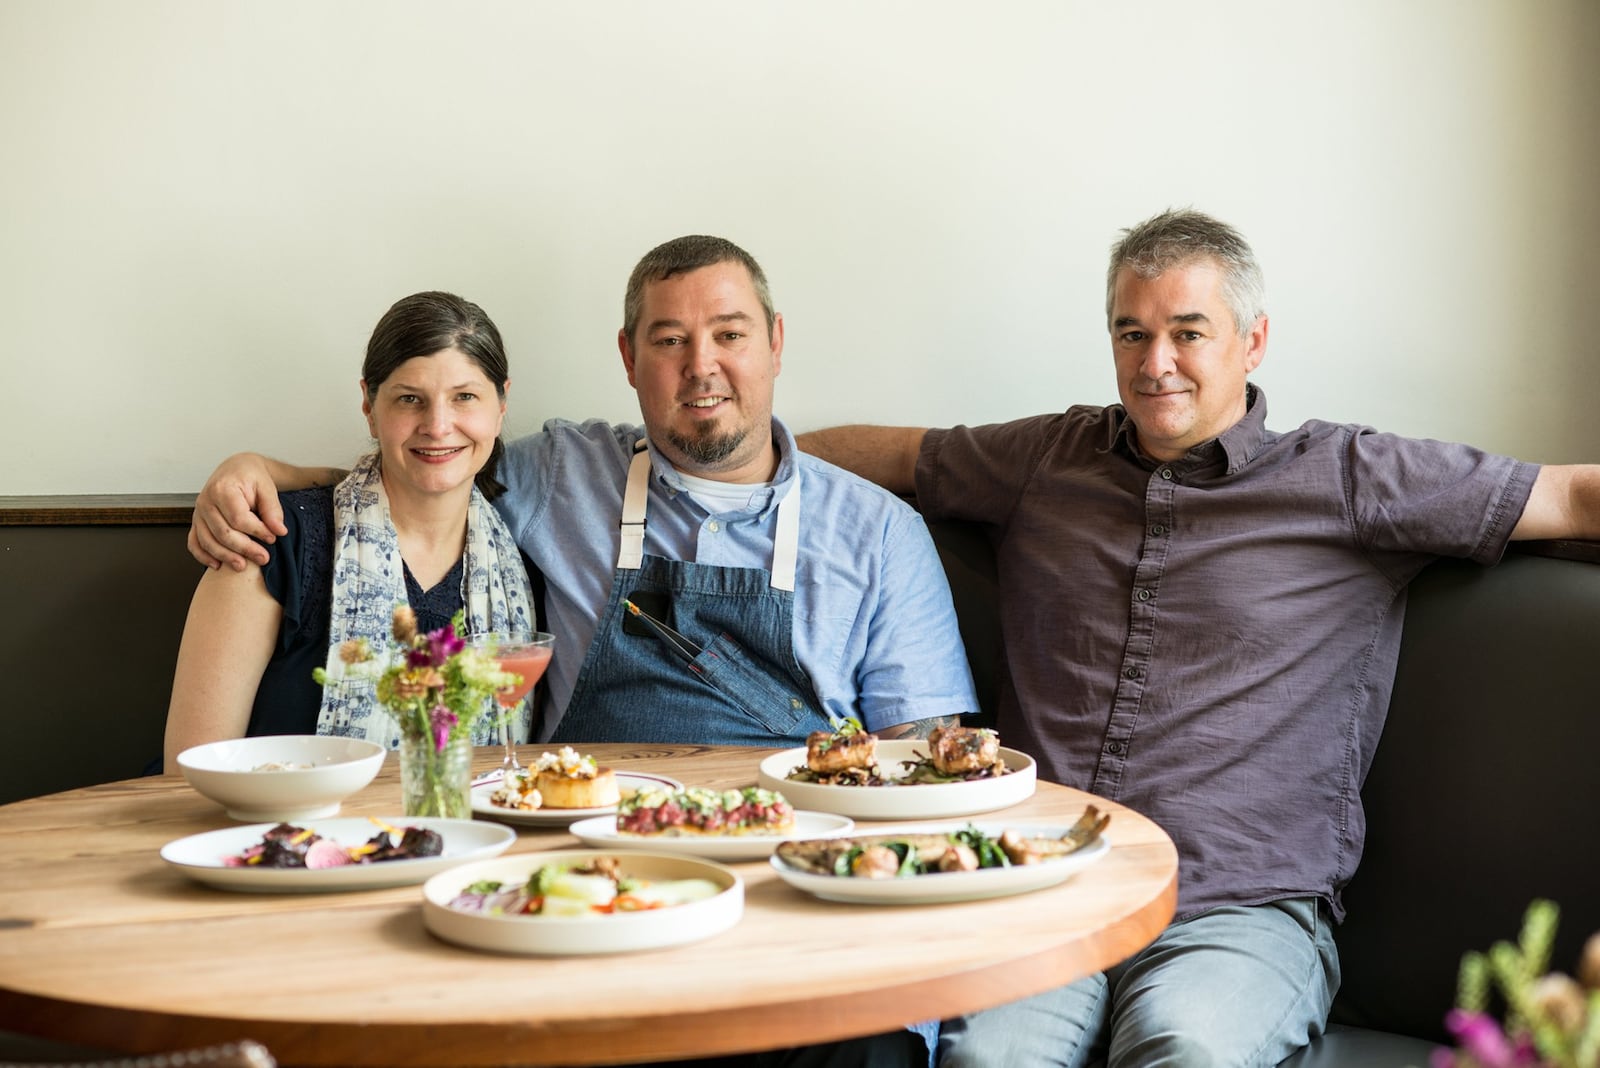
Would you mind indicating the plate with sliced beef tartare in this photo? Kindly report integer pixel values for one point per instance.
(601, 832)
(739, 824)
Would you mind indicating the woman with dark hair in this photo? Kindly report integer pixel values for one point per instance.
(411, 523)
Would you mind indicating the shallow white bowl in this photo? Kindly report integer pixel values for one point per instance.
(582, 935)
(316, 773)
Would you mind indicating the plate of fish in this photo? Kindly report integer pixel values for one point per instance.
(924, 864)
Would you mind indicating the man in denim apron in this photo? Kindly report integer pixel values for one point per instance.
(777, 593)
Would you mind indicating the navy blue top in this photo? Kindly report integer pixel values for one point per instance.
(300, 577)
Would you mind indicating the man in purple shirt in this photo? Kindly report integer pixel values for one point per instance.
(1201, 619)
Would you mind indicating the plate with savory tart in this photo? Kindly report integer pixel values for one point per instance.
(929, 865)
(728, 825)
(560, 788)
(582, 902)
(955, 771)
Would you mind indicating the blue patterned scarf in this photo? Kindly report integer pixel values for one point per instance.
(369, 581)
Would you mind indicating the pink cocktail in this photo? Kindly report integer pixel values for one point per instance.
(528, 659)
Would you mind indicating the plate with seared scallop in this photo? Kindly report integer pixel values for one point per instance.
(486, 805)
(954, 772)
(930, 865)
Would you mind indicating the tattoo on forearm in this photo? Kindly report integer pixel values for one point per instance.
(327, 476)
(919, 728)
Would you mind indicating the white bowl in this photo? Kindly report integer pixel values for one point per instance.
(281, 777)
(582, 935)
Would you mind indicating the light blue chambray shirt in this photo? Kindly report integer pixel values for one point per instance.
(874, 625)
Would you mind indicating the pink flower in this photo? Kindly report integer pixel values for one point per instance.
(1482, 1040)
(441, 720)
(445, 644)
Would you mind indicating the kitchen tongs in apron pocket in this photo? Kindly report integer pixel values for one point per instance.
(685, 648)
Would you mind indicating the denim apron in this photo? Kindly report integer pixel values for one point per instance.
(639, 684)
(721, 669)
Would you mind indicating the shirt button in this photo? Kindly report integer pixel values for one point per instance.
(1157, 530)
(713, 526)
(1143, 595)
(1131, 673)
(1114, 748)
(1166, 473)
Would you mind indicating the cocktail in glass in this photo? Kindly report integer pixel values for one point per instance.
(527, 657)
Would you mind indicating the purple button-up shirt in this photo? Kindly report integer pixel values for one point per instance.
(1212, 641)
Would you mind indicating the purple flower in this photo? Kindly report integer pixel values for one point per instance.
(441, 720)
(1482, 1040)
(444, 643)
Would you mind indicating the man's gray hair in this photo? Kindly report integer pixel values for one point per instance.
(680, 256)
(1179, 237)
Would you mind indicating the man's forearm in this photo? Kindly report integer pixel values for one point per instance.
(886, 455)
(1565, 503)
(919, 728)
(292, 477)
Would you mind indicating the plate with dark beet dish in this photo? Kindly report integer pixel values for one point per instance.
(334, 854)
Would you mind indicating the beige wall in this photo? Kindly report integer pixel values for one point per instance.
(207, 204)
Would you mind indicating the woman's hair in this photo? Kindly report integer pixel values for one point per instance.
(425, 323)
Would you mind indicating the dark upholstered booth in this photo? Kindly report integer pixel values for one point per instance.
(1482, 796)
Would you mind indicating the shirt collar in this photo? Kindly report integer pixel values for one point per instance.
(762, 498)
(1242, 442)
(1231, 450)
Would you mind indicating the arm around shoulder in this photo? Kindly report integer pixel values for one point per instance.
(238, 507)
(1564, 503)
(886, 455)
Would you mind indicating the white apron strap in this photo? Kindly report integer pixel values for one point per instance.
(785, 540)
(631, 553)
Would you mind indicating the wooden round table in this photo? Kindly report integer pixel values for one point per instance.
(102, 942)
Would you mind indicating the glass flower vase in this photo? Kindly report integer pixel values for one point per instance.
(436, 782)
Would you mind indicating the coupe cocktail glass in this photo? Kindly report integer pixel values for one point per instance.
(527, 657)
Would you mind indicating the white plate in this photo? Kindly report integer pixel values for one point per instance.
(601, 832)
(945, 887)
(920, 802)
(585, 935)
(199, 856)
(627, 782)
